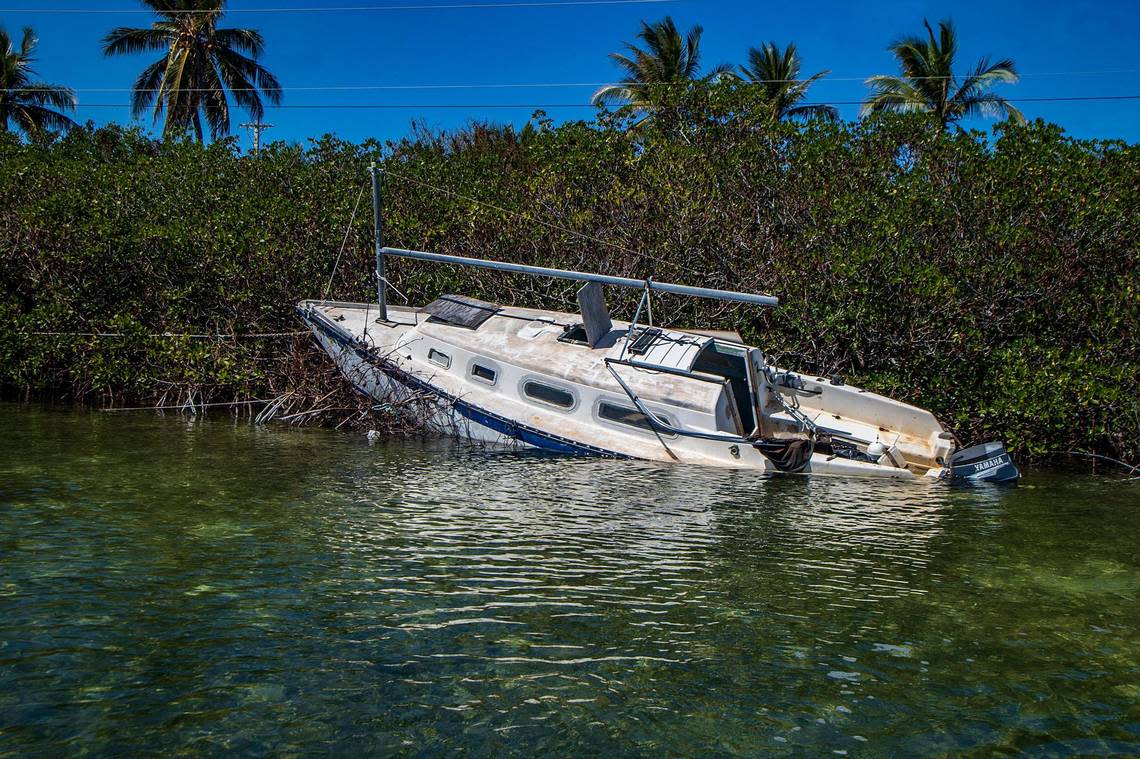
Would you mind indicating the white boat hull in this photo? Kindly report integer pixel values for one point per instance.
(384, 362)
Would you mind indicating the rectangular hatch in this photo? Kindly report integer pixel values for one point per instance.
(461, 310)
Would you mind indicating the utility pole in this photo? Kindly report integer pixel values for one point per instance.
(255, 129)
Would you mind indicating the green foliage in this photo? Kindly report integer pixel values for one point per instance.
(992, 280)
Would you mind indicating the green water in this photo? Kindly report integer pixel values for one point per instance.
(171, 586)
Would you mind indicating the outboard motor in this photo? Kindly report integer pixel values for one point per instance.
(987, 462)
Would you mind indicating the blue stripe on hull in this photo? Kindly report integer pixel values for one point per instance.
(507, 427)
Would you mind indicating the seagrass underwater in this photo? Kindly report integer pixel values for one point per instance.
(420, 596)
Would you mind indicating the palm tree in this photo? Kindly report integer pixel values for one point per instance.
(777, 74)
(201, 65)
(32, 106)
(928, 83)
(668, 59)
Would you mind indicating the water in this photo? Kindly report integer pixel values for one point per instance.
(207, 587)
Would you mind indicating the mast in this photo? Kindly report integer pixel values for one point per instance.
(604, 279)
(377, 223)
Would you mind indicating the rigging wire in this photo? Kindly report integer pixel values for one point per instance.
(347, 232)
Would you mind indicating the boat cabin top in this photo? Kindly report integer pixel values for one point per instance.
(690, 370)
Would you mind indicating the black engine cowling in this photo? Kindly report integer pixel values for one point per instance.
(987, 462)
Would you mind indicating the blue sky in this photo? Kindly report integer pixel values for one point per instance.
(1055, 44)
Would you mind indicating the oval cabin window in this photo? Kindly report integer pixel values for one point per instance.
(440, 358)
(552, 396)
(631, 417)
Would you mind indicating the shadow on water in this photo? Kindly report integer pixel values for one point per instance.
(209, 586)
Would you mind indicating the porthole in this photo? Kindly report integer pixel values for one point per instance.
(629, 416)
(484, 373)
(439, 358)
(548, 394)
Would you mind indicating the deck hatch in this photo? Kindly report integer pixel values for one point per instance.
(575, 334)
(461, 311)
(644, 340)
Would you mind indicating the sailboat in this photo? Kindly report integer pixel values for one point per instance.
(586, 384)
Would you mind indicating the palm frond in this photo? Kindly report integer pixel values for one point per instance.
(33, 106)
(985, 76)
(125, 40)
(28, 44)
(179, 93)
(692, 60)
(255, 76)
(612, 93)
(35, 119)
(243, 90)
(145, 92)
(47, 95)
(947, 40)
(632, 72)
(214, 105)
(892, 93)
(776, 73)
(243, 40)
(989, 104)
(717, 72)
(817, 111)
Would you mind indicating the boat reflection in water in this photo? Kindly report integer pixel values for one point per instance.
(519, 528)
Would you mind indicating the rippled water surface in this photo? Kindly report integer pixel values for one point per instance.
(206, 587)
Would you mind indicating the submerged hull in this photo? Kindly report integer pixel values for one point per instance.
(517, 382)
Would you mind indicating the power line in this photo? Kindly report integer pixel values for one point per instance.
(374, 106)
(541, 85)
(343, 88)
(349, 8)
(407, 106)
(178, 335)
